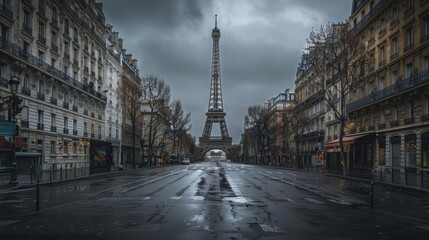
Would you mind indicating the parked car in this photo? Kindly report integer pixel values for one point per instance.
(186, 161)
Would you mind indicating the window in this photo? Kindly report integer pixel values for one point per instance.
(110, 132)
(54, 92)
(66, 97)
(382, 116)
(395, 14)
(395, 113)
(92, 129)
(27, 23)
(85, 127)
(66, 123)
(425, 63)
(41, 86)
(411, 109)
(394, 46)
(371, 119)
(409, 4)
(41, 31)
(54, 15)
(409, 37)
(408, 70)
(382, 25)
(66, 26)
(53, 120)
(53, 147)
(382, 59)
(41, 56)
(381, 83)
(74, 125)
(394, 77)
(75, 34)
(26, 81)
(54, 39)
(382, 151)
(427, 104)
(40, 117)
(75, 146)
(371, 34)
(54, 63)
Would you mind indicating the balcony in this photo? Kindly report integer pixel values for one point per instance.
(394, 123)
(27, 29)
(41, 96)
(54, 100)
(85, 112)
(75, 108)
(394, 56)
(42, 11)
(100, 117)
(66, 105)
(66, 130)
(67, 56)
(409, 10)
(35, 62)
(408, 48)
(92, 115)
(42, 39)
(382, 126)
(40, 126)
(85, 134)
(6, 11)
(99, 136)
(26, 91)
(75, 40)
(368, 17)
(24, 124)
(92, 135)
(86, 69)
(382, 63)
(362, 129)
(311, 99)
(312, 136)
(409, 120)
(53, 129)
(75, 62)
(413, 81)
(424, 117)
(371, 128)
(75, 132)
(353, 131)
(54, 48)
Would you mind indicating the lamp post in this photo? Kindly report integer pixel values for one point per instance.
(14, 83)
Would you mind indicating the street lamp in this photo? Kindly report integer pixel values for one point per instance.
(14, 83)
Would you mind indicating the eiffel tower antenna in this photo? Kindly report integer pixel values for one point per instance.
(215, 113)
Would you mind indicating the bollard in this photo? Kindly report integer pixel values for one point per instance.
(61, 173)
(406, 177)
(75, 171)
(392, 174)
(372, 195)
(381, 174)
(421, 178)
(37, 196)
(31, 175)
(50, 175)
(66, 171)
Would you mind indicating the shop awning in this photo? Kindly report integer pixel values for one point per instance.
(347, 140)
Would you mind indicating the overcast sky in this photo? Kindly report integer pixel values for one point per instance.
(261, 43)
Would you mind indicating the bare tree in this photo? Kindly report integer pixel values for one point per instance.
(179, 124)
(155, 99)
(129, 95)
(338, 59)
(296, 124)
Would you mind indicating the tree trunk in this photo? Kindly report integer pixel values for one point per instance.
(344, 160)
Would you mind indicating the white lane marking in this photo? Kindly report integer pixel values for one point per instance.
(290, 200)
(313, 201)
(279, 172)
(339, 202)
(267, 228)
(424, 227)
(176, 197)
(198, 198)
(147, 198)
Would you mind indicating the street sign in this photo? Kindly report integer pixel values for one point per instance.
(7, 128)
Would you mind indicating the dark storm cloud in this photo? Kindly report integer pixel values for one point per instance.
(260, 47)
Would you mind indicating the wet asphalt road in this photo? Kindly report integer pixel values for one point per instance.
(213, 201)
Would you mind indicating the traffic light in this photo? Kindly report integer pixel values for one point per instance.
(17, 107)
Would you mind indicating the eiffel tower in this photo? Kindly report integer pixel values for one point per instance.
(215, 113)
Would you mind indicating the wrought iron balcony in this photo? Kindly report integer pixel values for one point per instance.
(409, 47)
(66, 105)
(41, 96)
(40, 126)
(424, 117)
(54, 100)
(75, 108)
(75, 132)
(368, 17)
(382, 126)
(309, 100)
(394, 123)
(24, 123)
(371, 128)
(54, 47)
(26, 91)
(53, 129)
(415, 80)
(42, 39)
(382, 63)
(394, 56)
(18, 52)
(6, 11)
(66, 130)
(409, 120)
(85, 112)
(27, 29)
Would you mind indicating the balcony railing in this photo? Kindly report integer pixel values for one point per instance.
(371, 128)
(66, 130)
(38, 63)
(53, 129)
(85, 112)
(66, 105)
(415, 80)
(75, 108)
(92, 135)
(309, 100)
(315, 135)
(393, 56)
(394, 123)
(424, 117)
(382, 126)
(41, 96)
(27, 29)
(24, 123)
(85, 134)
(74, 132)
(75, 62)
(54, 100)
(409, 120)
(367, 18)
(382, 63)
(54, 47)
(42, 39)
(362, 129)
(40, 126)
(26, 91)
(6, 11)
(409, 47)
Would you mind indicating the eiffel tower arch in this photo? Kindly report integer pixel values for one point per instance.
(215, 113)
